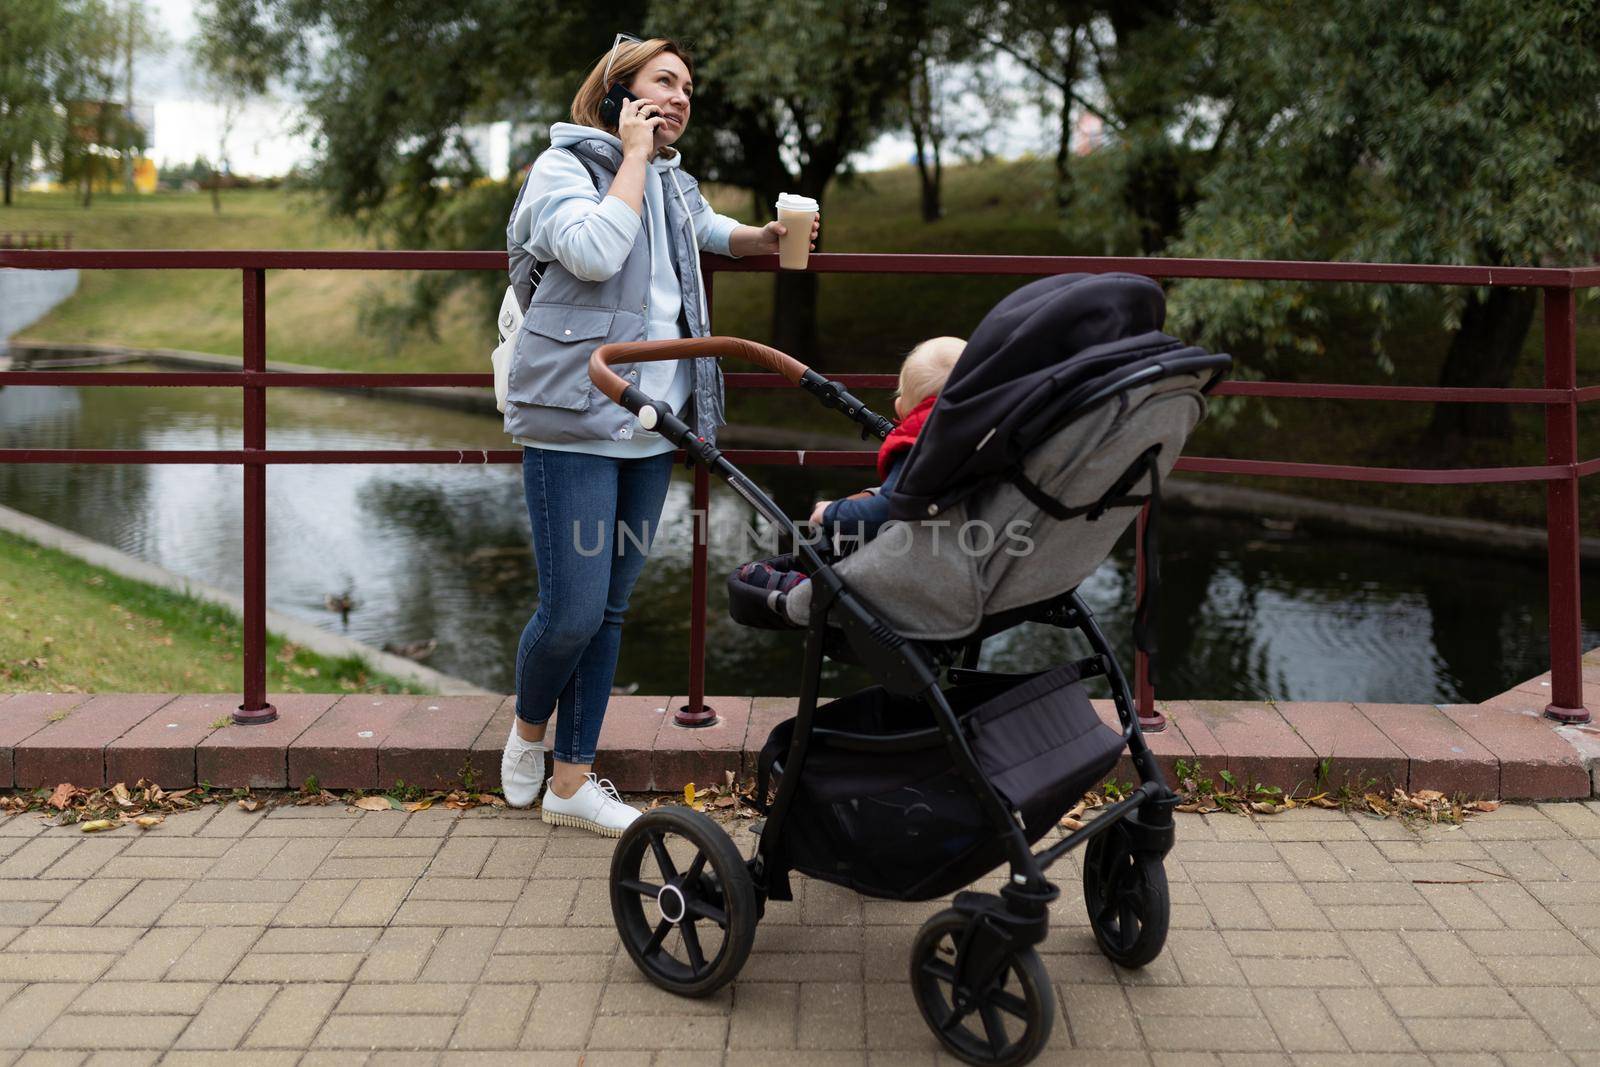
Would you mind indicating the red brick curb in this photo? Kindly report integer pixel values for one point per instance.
(1501, 748)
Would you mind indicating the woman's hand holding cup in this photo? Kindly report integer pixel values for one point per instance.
(636, 127)
(773, 233)
(795, 215)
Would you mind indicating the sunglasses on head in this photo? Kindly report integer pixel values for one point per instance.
(612, 57)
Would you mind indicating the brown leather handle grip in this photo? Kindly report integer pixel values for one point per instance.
(611, 384)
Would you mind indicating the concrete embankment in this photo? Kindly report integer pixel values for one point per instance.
(25, 297)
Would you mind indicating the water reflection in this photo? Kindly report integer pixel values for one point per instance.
(441, 551)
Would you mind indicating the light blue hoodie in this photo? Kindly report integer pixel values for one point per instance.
(563, 219)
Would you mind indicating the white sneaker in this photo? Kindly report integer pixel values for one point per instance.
(521, 770)
(595, 806)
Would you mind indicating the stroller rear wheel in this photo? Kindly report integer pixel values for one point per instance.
(1005, 1023)
(1127, 897)
(683, 901)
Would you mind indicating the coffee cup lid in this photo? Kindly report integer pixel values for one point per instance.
(795, 202)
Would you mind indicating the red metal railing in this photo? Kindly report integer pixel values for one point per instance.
(1560, 398)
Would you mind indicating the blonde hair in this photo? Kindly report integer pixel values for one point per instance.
(631, 56)
(927, 367)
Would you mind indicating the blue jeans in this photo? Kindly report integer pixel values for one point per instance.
(593, 519)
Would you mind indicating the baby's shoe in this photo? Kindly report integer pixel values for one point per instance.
(521, 770)
(595, 806)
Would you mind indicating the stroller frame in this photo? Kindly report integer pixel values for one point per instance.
(993, 935)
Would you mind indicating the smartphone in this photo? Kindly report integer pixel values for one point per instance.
(611, 106)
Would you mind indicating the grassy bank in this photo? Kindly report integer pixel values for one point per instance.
(66, 626)
(315, 317)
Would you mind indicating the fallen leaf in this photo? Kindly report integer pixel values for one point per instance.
(63, 795)
(97, 825)
(688, 794)
(1484, 805)
(373, 804)
(147, 821)
(120, 792)
(1428, 796)
(1069, 823)
(725, 802)
(419, 805)
(249, 804)
(1263, 808)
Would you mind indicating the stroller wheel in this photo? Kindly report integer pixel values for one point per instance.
(1126, 894)
(683, 902)
(1003, 1024)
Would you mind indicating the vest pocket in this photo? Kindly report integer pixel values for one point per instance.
(569, 323)
(551, 368)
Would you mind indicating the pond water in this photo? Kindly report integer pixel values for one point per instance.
(442, 552)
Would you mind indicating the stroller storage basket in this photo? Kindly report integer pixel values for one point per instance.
(880, 807)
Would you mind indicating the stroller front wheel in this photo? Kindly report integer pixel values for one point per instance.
(1127, 897)
(701, 918)
(1005, 1023)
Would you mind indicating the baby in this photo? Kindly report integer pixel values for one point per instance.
(858, 517)
(922, 376)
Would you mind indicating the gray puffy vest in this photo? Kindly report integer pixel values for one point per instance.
(549, 396)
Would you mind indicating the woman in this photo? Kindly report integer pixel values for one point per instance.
(608, 228)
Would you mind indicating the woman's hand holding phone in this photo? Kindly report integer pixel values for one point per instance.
(636, 127)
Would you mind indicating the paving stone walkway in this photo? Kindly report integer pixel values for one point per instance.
(325, 935)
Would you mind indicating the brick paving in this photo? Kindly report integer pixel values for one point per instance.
(329, 935)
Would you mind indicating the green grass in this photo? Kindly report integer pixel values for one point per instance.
(313, 317)
(865, 322)
(66, 626)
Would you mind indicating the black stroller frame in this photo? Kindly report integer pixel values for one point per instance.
(990, 937)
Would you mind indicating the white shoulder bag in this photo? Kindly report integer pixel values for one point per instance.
(509, 321)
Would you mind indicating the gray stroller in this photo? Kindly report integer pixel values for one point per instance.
(1056, 426)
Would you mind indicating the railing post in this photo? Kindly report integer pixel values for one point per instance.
(695, 713)
(1144, 693)
(1561, 511)
(255, 708)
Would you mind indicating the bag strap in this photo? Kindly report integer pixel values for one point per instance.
(536, 268)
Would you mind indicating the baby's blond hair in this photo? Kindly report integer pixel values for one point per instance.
(927, 367)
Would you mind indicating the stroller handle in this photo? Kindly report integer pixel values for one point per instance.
(612, 384)
(829, 393)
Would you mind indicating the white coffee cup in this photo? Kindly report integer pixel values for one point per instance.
(796, 213)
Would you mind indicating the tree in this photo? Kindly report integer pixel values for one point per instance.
(794, 88)
(139, 35)
(1140, 68)
(99, 132)
(58, 73)
(230, 78)
(1465, 132)
(1050, 40)
(32, 51)
(949, 98)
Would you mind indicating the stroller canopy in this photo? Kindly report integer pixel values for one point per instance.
(1067, 400)
(1032, 360)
